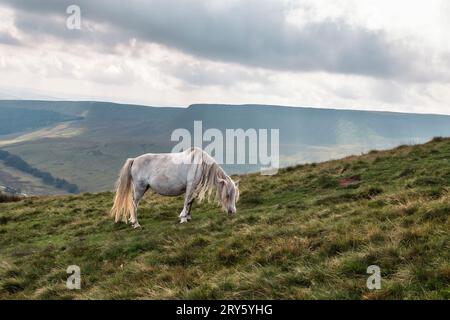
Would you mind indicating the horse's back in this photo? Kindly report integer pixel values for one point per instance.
(165, 173)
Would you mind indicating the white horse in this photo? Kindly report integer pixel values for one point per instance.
(193, 172)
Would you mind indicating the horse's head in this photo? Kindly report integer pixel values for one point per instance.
(229, 194)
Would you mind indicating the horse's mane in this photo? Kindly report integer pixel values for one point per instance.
(211, 173)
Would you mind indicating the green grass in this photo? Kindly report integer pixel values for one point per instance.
(297, 235)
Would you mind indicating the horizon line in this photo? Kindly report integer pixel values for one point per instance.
(231, 105)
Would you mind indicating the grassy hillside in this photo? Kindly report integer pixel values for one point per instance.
(23, 181)
(308, 233)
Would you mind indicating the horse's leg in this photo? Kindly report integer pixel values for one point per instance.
(193, 179)
(189, 216)
(139, 190)
(185, 214)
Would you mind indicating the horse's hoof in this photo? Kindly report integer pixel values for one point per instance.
(183, 220)
(189, 218)
(136, 226)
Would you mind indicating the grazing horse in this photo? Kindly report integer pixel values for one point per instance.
(193, 172)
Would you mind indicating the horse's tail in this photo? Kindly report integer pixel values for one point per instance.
(123, 201)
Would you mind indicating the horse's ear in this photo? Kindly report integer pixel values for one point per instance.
(237, 184)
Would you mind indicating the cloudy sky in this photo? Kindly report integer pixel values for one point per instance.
(355, 54)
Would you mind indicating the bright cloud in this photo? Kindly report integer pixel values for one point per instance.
(357, 54)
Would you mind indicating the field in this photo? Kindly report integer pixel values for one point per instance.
(22, 180)
(309, 232)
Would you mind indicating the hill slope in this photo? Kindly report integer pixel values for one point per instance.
(90, 150)
(309, 232)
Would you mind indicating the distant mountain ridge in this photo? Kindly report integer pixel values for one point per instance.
(89, 149)
(13, 119)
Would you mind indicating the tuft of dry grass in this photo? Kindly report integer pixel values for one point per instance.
(9, 197)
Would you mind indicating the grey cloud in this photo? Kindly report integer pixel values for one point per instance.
(38, 27)
(252, 33)
(6, 38)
